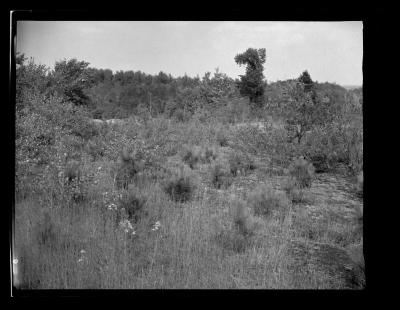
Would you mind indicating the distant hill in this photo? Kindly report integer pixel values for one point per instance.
(351, 87)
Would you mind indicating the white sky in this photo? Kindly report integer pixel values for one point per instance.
(330, 51)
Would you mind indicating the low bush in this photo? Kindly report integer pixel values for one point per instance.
(180, 187)
(127, 168)
(209, 154)
(181, 116)
(237, 110)
(232, 241)
(95, 148)
(133, 203)
(77, 181)
(222, 137)
(294, 193)
(220, 175)
(192, 155)
(246, 224)
(302, 171)
(335, 143)
(240, 162)
(72, 171)
(264, 200)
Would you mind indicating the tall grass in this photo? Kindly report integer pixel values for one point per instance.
(176, 231)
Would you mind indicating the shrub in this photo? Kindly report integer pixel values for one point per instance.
(85, 129)
(210, 153)
(338, 142)
(246, 224)
(232, 241)
(295, 194)
(181, 115)
(222, 138)
(264, 200)
(180, 187)
(46, 232)
(95, 148)
(77, 181)
(192, 155)
(240, 162)
(72, 171)
(127, 168)
(133, 202)
(73, 143)
(237, 110)
(220, 174)
(302, 171)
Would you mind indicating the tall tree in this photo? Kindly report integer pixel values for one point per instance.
(251, 84)
(69, 79)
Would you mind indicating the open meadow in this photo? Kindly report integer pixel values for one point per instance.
(132, 181)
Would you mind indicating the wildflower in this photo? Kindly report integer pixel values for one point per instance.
(126, 225)
(15, 261)
(83, 252)
(112, 206)
(99, 168)
(156, 226)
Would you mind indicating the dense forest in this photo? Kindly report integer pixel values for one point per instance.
(205, 180)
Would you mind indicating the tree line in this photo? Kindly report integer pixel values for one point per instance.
(107, 94)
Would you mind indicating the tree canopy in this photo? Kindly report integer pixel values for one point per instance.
(251, 84)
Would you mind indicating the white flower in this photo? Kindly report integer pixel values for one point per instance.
(112, 206)
(15, 261)
(99, 168)
(156, 226)
(126, 225)
(83, 252)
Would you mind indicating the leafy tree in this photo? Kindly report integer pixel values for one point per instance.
(305, 78)
(31, 79)
(251, 84)
(69, 79)
(212, 90)
(304, 110)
